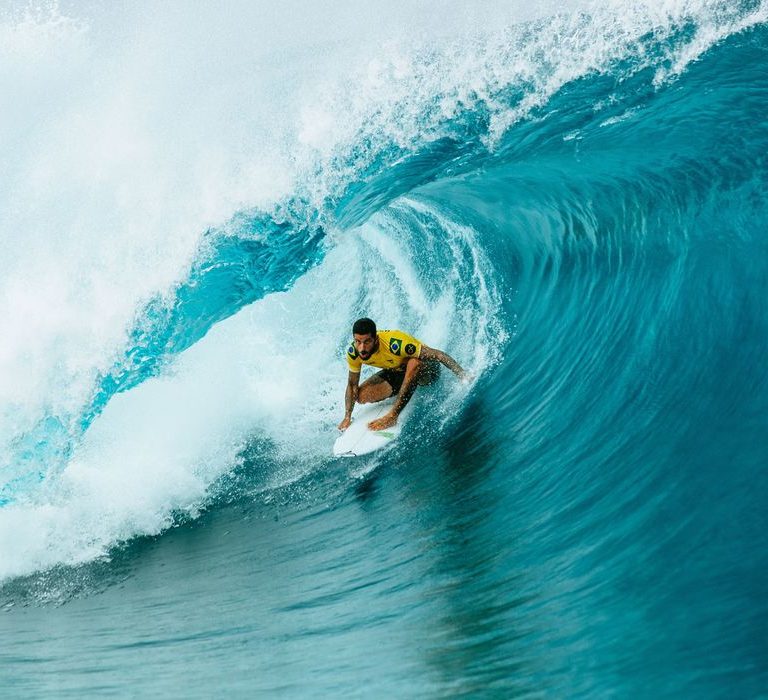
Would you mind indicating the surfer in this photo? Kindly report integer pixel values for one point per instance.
(405, 363)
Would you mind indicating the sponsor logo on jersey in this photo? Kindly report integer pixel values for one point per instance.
(410, 349)
(394, 345)
(352, 352)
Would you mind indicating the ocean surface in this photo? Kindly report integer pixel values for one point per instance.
(198, 200)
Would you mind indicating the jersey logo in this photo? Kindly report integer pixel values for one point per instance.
(410, 349)
(394, 345)
(352, 352)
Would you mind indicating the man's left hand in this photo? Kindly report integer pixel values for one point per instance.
(383, 423)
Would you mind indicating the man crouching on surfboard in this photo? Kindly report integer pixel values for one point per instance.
(405, 364)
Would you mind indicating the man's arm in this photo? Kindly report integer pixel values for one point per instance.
(410, 382)
(350, 397)
(428, 353)
(412, 368)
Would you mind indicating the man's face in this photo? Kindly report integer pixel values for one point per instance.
(364, 344)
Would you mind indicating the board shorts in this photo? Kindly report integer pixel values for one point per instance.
(395, 377)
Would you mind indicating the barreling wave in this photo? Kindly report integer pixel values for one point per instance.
(572, 206)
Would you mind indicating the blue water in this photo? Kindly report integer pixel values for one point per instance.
(574, 207)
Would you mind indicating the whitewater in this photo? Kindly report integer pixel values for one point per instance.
(198, 200)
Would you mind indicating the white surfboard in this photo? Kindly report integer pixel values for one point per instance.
(358, 439)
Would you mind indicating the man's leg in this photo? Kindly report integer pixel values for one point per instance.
(430, 372)
(373, 389)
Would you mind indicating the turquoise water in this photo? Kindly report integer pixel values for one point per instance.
(572, 205)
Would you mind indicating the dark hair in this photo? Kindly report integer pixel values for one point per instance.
(364, 326)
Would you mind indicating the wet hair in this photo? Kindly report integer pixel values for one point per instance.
(364, 326)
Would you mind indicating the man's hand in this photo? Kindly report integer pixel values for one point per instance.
(383, 423)
(345, 423)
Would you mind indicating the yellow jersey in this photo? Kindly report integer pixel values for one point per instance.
(395, 349)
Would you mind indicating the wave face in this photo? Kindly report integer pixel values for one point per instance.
(572, 205)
